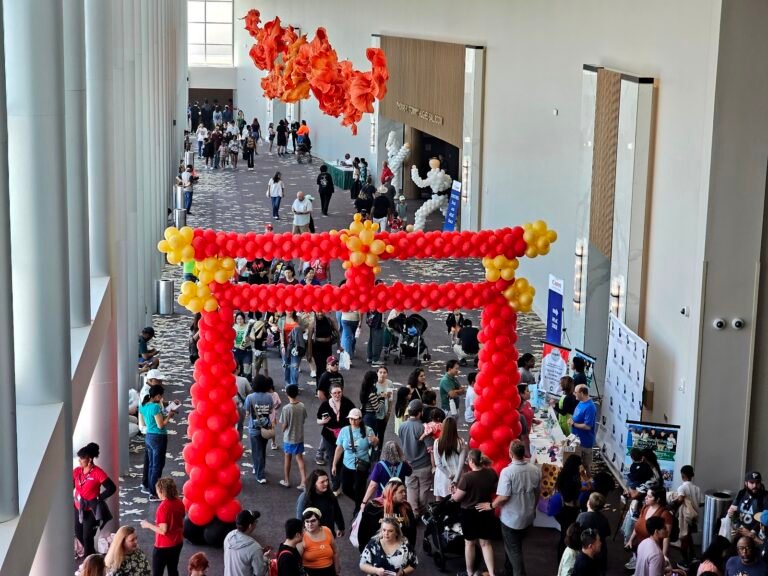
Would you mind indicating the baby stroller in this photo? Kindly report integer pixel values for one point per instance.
(408, 338)
(443, 538)
(303, 148)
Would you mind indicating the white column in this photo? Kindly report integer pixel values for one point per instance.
(9, 479)
(77, 168)
(34, 77)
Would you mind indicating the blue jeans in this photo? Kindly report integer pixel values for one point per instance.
(275, 206)
(216, 160)
(199, 148)
(348, 339)
(291, 368)
(259, 453)
(375, 342)
(341, 327)
(188, 200)
(155, 445)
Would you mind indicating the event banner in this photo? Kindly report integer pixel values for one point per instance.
(452, 212)
(555, 310)
(589, 369)
(623, 394)
(661, 438)
(554, 365)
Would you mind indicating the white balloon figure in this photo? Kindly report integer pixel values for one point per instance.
(396, 156)
(439, 181)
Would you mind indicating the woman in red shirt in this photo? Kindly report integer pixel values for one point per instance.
(91, 513)
(168, 529)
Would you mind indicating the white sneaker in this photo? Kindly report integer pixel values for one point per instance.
(632, 564)
(313, 374)
(284, 484)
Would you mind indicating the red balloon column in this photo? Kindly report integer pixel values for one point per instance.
(212, 456)
(213, 453)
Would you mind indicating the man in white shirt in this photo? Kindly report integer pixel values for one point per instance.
(516, 495)
(185, 181)
(302, 212)
(650, 558)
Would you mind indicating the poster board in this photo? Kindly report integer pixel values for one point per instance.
(555, 310)
(661, 438)
(623, 391)
(554, 365)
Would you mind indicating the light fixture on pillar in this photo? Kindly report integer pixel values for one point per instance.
(289, 113)
(373, 133)
(465, 175)
(578, 273)
(269, 108)
(615, 296)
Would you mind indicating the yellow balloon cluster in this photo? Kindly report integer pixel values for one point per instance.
(538, 238)
(218, 270)
(364, 248)
(520, 295)
(177, 245)
(500, 267)
(197, 297)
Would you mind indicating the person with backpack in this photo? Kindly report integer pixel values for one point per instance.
(288, 559)
(325, 189)
(391, 464)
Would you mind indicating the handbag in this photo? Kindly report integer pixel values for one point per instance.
(353, 533)
(360, 464)
(345, 362)
(266, 430)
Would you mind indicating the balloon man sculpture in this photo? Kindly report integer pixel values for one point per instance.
(211, 457)
(396, 156)
(440, 183)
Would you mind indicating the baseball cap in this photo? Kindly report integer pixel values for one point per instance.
(762, 517)
(355, 413)
(155, 374)
(753, 476)
(415, 406)
(247, 517)
(332, 360)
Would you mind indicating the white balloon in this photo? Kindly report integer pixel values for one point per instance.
(438, 181)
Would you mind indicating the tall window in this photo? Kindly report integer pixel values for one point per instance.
(210, 32)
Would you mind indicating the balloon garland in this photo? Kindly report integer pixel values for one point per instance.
(211, 457)
(295, 67)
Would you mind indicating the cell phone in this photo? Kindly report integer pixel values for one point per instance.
(326, 415)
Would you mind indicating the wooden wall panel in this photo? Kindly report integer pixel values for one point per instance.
(604, 160)
(426, 86)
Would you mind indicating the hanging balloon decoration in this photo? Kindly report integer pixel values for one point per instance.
(211, 457)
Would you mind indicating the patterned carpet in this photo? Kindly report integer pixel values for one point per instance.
(235, 200)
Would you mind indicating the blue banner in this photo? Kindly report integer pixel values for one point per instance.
(555, 310)
(453, 207)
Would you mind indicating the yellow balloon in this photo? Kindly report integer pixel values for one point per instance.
(527, 226)
(366, 236)
(542, 244)
(531, 252)
(211, 305)
(551, 235)
(228, 264)
(378, 247)
(210, 264)
(540, 227)
(532, 291)
(492, 274)
(184, 299)
(377, 269)
(195, 305)
(333, 232)
(510, 293)
(354, 244)
(357, 258)
(174, 258)
(188, 288)
(187, 233)
(507, 273)
(205, 277)
(529, 236)
(526, 299)
(357, 217)
(371, 260)
(544, 251)
(390, 249)
(163, 246)
(521, 284)
(375, 227)
(202, 291)
(344, 238)
(346, 264)
(367, 224)
(170, 231)
(176, 241)
(514, 263)
(187, 253)
(487, 261)
(356, 227)
(500, 261)
(221, 276)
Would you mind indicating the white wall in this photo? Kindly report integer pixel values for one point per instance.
(535, 53)
(212, 77)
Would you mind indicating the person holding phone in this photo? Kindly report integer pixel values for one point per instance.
(388, 553)
(156, 439)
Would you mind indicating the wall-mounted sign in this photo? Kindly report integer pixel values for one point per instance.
(423, 114)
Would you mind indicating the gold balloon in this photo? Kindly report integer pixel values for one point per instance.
(366, 236)
(221, 276)
(525, 300)
(163, 246)
(210, 264)
(528, 236)
(170, 231)
(176, 241)
(357, 258)
(202, 291)
(492, 274)
(195, 305)
(187, 233)
(521, 284)
(544, 251)
(378, 247)
(510, 293)
(188, 288)
(531, 252)
(499, 261)
(356, 227)
(187, 253)
(390, 249)
(507, 273)
(540, 227)
(210, 305)
(354, 244)
(542, 244)
(357, 217)
(184, 299)
(514, 263)
(371, 260)
(375, 227)
(487, 261)
(346, 264)
(205, 277)
(174, 258)
(551, 236)
(228, 263)
(377, 269)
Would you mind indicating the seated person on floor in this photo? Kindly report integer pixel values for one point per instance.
(467, 345)
(147, 356)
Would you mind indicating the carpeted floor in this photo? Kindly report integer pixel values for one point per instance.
(235, 200)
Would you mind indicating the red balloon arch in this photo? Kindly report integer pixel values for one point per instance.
(211, 457)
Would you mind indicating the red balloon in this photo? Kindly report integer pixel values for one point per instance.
(488, 419)
(216, 458)
(201, 476)
(191, 454)
(228, 475)
(193, 490)
(486, 448)
(228, 512)
(203, 439)
(228, 438)
(215, 495)
(217, 422)
(236, 451)
(200, 513)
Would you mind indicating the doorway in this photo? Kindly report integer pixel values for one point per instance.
(424, 146)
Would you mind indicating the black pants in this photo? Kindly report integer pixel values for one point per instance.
(249, 158)
(353, 484)
(85, 532)
(166, 558)
(565, 518)
(325, 200)
(320, 353)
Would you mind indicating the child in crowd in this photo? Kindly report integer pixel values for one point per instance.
(276, 403)
(469, 399)
(292, 419)
(429, 401)
(223, 154)
(433, 428)
(687, 502)
(639, 473)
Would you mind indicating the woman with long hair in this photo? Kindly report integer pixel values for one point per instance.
(93, 566)
(655, 505)
(391, 464)
(318, 494)
(391, 504)
(124, 557)
(370, 399)
(389, 552)
(168, 528)
(569, 484)
(90, 509)
(567, 403)
(275, 191)
(448, 456)
(417, 382)
(402, 398)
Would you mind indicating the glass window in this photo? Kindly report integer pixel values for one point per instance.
(210, 32)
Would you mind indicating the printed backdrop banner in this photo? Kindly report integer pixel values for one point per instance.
(589, 369)
(554, 365)
(661, 438)
(623, 394)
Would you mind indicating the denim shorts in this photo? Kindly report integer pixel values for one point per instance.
(297, 448)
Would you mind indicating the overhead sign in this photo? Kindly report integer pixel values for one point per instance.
(555, 310)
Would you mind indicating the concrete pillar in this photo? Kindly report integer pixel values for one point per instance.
(77, 168)
(34, 47)
(9, 479)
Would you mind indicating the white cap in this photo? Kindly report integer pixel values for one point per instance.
(155, 374)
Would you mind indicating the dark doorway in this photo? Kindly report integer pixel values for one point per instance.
(423, 147)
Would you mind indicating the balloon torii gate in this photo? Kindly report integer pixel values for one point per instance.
(211, 458)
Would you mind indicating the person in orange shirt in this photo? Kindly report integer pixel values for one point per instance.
(303, 129)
